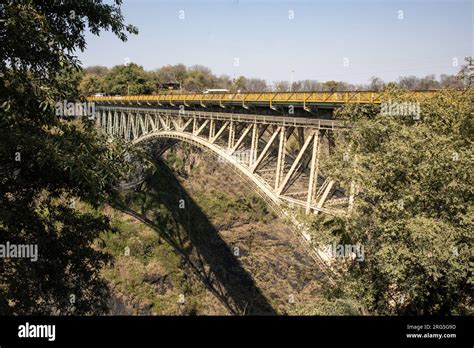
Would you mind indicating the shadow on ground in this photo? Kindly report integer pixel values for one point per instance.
(165, 206)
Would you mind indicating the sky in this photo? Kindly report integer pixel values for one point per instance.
(344, 40)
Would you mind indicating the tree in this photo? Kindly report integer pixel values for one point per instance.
(96, 71)
(91, 84)
(238, 84)
(281, 86)
(408, 82)
(466, 73)
(224, 81)
(92, 80)
(199, 78)
(413, 209)
(344, 86)
(428, 82)
(170, 74)
(330, 86)
(255, 85)
(307, 86)
(47, 163)
(129, 79)
(452, 81)
(375, 83)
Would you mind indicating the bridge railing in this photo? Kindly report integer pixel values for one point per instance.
(255, 98)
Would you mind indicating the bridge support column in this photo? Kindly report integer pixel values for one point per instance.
(109, 122)
(313, 174)
(281, 157)
(122, 124)
(116, 123)
(212, 129)
(231, 135)
(128, 128)
(112, 123)
(146, 122)
(134, 127)
(254, 145)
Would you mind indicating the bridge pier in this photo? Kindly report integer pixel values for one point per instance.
(313, 172)
(281, 157)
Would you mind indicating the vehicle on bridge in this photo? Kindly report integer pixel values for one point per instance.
(215, 90)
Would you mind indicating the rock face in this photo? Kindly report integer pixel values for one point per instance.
(236, 256)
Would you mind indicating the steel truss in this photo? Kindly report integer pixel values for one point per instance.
(280, 155)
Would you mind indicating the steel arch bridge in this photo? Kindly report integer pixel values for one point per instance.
(252, 132)
(280, 155)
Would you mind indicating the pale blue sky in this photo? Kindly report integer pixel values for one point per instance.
(314, 44)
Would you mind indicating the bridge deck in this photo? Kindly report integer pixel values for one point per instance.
(304, 99)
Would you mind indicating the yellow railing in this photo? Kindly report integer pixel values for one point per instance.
(256, 98)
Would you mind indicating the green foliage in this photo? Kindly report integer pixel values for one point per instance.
(199, 78)
(331, 306)
(170, 74)
(151, 273)
(96, 71)
(46, 162)
(226, 207)
(330, 86)
(413, 209)
(93, 80)
(129, 79)
(91, 84)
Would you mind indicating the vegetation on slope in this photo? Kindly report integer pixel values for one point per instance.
(47, 163)
(413, 210)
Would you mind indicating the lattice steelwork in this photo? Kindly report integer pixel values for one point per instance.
(279, 154)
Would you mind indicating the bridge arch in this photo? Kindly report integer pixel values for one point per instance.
(202, 143)
(299, 229)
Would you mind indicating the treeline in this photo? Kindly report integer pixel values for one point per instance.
(132, 79)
